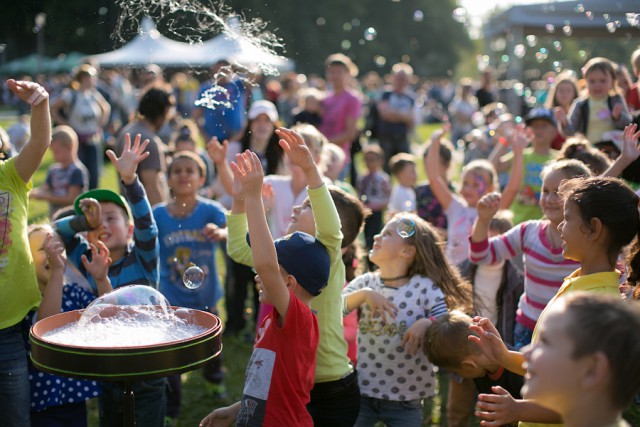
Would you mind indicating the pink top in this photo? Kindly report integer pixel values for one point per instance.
(336, 108)
(545, 268)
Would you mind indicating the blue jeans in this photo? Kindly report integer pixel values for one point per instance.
(391, 412)
(14, 377)
(91, 157)
(521, 336)
(150, 403)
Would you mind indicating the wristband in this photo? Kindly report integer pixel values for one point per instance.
(503, 141)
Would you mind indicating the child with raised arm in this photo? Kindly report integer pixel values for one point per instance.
(290, 272)
(580, 368)
(536, 242)
(600, 219)
(18, 284)
(129, 231)
(335, 397)
(55, 399)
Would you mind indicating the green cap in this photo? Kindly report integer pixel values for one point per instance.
(102, 195)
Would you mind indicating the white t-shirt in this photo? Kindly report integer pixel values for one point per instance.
(460, 218)
(485, 290)
(403, 199)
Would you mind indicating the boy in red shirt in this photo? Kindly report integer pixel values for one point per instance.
(290, 272)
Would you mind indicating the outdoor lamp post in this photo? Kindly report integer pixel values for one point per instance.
(41, 21)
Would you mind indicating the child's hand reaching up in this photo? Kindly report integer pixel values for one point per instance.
(630, 148)
(99, 265)
(248, 175)
(300, 155)
(128, 162)
(30, 92)
(487, 206)
(56, 255)
(217, 151)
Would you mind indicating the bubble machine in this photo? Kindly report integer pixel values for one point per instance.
(126, 364)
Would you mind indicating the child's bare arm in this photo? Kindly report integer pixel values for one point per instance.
(502, 409)
(248, 173)
(28, 160)
(520, 140)
(222, 417)
(630, 151)
(438, 186)
(52, 296)
(218, 153)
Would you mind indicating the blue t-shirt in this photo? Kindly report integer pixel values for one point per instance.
(183, 243)
(51, 390)
(224, 122)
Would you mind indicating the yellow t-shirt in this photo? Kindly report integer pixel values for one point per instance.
(600, 120)
(602, 283)
(19, 291)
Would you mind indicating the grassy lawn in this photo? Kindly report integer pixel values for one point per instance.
(197, 399)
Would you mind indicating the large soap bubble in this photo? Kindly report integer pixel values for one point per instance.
(140, 301)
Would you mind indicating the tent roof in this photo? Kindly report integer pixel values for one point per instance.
(150, 47)
(533, 18)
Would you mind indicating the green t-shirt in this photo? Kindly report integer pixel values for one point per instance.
(526, 205)
(19, 291)
(332, 362)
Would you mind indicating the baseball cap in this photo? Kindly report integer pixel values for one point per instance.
(263, 107)
(305, 258)
(102, 195)
(541, 114)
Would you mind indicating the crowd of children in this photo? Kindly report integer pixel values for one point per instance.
(521, 291)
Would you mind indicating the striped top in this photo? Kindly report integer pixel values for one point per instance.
(140, 263)
(544, 267)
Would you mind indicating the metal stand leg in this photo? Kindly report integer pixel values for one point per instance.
(129, 412)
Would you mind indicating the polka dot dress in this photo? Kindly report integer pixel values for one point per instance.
(51, 390)
(385, 369)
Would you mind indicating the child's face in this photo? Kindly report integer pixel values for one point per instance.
(550, 203)
(373, 162)
(337, 75)
(302, 219)
(387, 245)
(599, 84)
(565, 94)
(574, 233)
(475, 184)
(36, 244)
(184, 177)
(263, 292)
(61, 152)
(408, 176)
(115, 231)
(544, 132)
(262, 127)
(553, 375)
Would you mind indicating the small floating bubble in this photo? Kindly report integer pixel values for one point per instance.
(418, 16)
(193, 277)
(611, 27)
(589, 15)
(606, 17)
(579, 8)
(532, 40)
(370, 34)
(567, 30)
(550, 28)
(519, 50)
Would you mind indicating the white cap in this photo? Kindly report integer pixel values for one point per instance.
(263, 107)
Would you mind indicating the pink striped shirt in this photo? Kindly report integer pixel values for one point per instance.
(544, 267)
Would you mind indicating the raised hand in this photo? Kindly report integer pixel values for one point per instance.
(30, 92)
(56, 255)
(92, 212)
(100, 262)
(630, 149)
(521, 138)
(560, 114)
(248, 174)
(437, 135)
(295, 148)
(127, 163)
(488, 205)
(489, 340)
(217, 151)
(213, 233)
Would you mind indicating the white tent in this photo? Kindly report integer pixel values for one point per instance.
(150, 47)
(238, 49)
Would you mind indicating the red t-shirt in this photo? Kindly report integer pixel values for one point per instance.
(633, 98)
(280, 374)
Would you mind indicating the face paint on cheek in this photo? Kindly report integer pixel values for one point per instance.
(480, 182)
